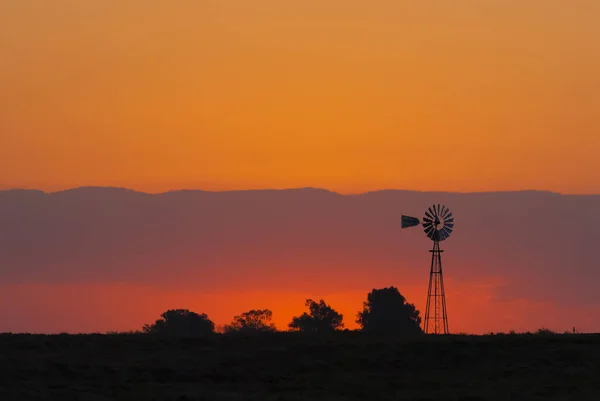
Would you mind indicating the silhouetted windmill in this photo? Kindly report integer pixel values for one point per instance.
(438, 224)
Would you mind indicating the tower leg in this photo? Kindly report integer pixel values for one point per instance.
(443, 297)
(428, 307)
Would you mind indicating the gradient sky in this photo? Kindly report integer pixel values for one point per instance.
(346, 95)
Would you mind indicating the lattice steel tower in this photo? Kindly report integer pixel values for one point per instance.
(438, 224)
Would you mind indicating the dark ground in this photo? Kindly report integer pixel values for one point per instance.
(289, 366)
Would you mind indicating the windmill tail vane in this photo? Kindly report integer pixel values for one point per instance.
(408, 221)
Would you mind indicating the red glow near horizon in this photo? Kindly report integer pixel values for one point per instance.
(41, 308)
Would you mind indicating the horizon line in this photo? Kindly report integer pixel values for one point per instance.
(83, 187)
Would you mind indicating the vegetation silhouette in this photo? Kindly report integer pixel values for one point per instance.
(181, 322)
(387, 312)
(321, 318)
(255, 321)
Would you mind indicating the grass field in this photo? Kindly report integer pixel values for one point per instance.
(292, 366)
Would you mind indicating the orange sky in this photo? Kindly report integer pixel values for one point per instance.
(346, 95)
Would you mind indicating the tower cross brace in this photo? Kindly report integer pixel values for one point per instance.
(436, 298)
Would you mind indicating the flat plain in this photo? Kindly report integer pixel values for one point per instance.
(293, 366)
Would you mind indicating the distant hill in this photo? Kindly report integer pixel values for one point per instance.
(542, 244)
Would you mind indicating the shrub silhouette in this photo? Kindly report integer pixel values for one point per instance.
(544, 331)
(253, 321)
(386, 311)
(321, 318)
(181, 322)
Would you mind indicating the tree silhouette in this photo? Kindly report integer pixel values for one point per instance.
(181, 322)
(253, 321)
(386, 311)
(322, 318)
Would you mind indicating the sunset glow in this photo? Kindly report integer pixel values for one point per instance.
(124, 308)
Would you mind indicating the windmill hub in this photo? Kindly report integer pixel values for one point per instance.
(438, 224)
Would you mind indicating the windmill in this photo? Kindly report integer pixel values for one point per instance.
(438, 224)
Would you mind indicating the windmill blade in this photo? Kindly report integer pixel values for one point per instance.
(446, 212)
(427, 220)
(432, 212)
(429, 230)
(449, 225)
(408, 221)
(447, 231)
(449, 217)
(443, 210)
(427, 227)
(428, 215)
(443, 235)
(439, 210)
